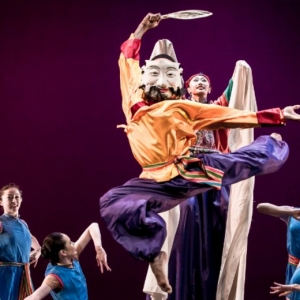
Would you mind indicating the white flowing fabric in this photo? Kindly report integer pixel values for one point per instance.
(233, 268)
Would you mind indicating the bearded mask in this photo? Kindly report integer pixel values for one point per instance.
(162, 74)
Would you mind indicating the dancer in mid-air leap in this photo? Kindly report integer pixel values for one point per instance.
(161, 129)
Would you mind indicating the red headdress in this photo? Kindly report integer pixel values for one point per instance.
(187, 83)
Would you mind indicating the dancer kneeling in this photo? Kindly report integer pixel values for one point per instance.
(64, 277)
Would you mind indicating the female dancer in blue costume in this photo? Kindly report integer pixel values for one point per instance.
(160, 128)
(195, 258)
(291, 216)
(64, 278)
(16, 242)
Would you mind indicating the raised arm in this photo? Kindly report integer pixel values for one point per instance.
(93, 233)
(36, 253)
(130, 72)
(215, 117)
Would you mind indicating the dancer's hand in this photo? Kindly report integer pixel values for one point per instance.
(101, 258)
(283, 289)
(295, 213)
(289, 113)
(34, 256)
(151, 20)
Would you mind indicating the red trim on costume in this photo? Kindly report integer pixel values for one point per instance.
(131, 48)
(293, 260)
(270, 117)
(58, 278)
(134, 108)
(25, 288)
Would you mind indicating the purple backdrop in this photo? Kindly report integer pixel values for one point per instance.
(60, 104)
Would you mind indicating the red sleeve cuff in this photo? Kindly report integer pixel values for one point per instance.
(58, 279)
(270, 117)
(131, 48)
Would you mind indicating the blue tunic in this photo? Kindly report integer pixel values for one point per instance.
(15, 245)
(72, 279)
(293, 246)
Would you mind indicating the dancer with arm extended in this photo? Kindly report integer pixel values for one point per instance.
(64, 278)
(160, 129)
(290, 291)
(16, 242)
(291, 216)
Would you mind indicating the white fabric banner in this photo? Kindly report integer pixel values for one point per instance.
(232, 274)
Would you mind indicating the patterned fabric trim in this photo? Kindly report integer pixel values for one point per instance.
(15, 264)
(26, 288)
(207, 175)
(197, 150)
(293, 260)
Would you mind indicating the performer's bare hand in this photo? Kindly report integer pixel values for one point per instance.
(289, 113)
(295, 213)
(101, 258)
(282, 289)
(151, 20)
(34, 256)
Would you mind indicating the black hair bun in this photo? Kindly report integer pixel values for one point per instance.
(45, 252)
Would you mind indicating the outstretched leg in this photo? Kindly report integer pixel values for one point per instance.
(265, 155)
(131, 211)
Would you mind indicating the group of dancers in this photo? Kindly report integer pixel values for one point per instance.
(187, 169)
(64, 278)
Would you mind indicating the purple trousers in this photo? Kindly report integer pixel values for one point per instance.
(131, 211)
